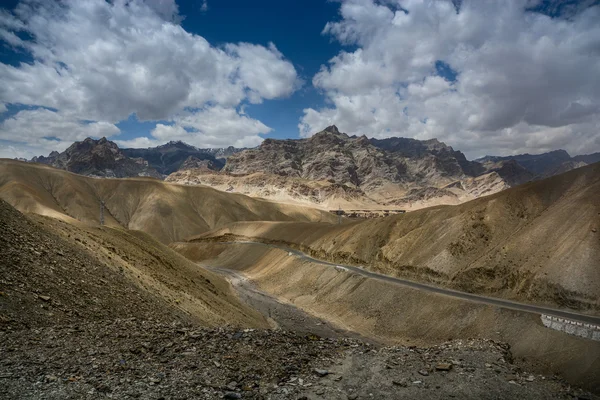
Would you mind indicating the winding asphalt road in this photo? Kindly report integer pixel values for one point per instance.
(512, 305)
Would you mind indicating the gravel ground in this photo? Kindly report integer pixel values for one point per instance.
(129, 358)
(283, 315)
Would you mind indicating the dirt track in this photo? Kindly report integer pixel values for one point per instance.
(281, 314)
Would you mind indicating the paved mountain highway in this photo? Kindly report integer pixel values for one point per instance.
(497, 302)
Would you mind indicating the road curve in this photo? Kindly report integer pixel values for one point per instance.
(497, 302)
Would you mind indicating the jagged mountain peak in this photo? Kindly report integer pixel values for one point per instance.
(179, 144)
(330, 131)
(98, 157)
(370, 164)
(363, 140)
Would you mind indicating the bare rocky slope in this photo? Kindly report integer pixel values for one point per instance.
(538, 242)
(397, 314)
(101, 158)
(331, 169)
(61, 272)
(546, 164)
(168, 212)
(172, 156)
(91, 312)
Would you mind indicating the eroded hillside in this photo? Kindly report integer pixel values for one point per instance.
(538, 242)
(64, 273)
(168, 212)
(332, 169)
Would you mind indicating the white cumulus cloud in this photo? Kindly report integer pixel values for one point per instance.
(209, 127)
(103, 61)
(40, 131)
(525, 81)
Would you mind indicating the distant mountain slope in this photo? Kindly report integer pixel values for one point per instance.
(275, 187)
(101, 158)
(170, 157)
(540, 165)
(447, 159)
(357, 161)
(332, 168)
(537, 164)
(511, 171)
(166, 211)
(537, 242)
(588, 158)
(329, 169)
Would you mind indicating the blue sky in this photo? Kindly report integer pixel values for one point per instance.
(294, 27)
(486, 77)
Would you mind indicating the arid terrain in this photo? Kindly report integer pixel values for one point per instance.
(100, 312)
(332, 169)
(538, 242)
(329, 170)
(208, 317)
(300, 200)
(169, 212)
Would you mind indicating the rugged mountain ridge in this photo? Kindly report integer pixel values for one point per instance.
(104, 158)
(332, 168)
(171, 156)
(329, 169)
(100, 158)
(357, 161)
(545, 164)
(447, 159)
(511, 171)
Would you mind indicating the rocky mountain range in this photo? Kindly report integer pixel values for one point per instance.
(171, 156)
(333, 156)
(101, 158)
(546, 164)
(334, 169)
(329, 169)
(104, 158)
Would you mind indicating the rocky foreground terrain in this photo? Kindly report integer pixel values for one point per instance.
(169, 360)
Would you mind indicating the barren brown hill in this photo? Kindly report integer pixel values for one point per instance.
(167, 211)
(538, 242)
(54, 272)
(397, 314)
